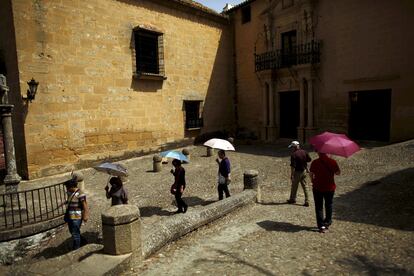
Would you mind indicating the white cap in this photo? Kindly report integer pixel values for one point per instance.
(294, 144)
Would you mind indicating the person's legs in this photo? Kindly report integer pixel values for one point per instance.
(305, 188)
(294, 187)
(226, 190)
(318, 198)
(328, 196)
(220, 190)
(74, 229)
(179, 201)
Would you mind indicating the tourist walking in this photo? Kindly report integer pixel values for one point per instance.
(76, 211)
(299, 166)
(322, 173)
(179, 186)
(117, 193)
(223, 174)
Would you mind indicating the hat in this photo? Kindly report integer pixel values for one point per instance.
(77, 176)
(294, 144)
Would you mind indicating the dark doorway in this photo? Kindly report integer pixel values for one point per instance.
(370, 115)
(289, 114)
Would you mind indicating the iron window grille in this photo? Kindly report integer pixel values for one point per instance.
(149, 53)
(192, 115)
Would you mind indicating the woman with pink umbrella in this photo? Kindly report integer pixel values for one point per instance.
(323, 171)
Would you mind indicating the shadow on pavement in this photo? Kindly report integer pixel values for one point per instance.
(282, 226)
(149, 211)
(237, 260)
(66, 246)
(386, 202)
(361, 264)
(195, 201)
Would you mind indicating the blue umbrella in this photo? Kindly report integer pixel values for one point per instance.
(174, 154)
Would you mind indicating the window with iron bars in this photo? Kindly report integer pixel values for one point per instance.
(149, 53)
(192, 114)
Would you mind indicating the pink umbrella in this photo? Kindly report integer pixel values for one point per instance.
(332, 143)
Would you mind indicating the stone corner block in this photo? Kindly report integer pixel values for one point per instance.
(120, 214)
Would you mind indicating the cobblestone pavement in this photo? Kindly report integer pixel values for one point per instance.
(372, 232)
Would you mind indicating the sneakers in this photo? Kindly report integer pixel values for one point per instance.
(322, 229)
(185, 208)
(306, 204)
(179, 211)
(291, 201)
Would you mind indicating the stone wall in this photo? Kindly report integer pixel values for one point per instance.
(366, 46)
(89, 106)
(249, 91)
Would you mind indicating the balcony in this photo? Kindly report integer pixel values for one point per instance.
(308, 53)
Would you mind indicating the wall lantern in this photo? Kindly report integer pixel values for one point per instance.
(31, 92)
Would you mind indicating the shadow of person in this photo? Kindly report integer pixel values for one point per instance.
(149, 211)
(282, 226)
(66, 246)
(195, 200)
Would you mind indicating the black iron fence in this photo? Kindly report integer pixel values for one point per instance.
(308, 53)
(32, 206)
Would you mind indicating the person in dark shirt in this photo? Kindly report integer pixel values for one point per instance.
(118, 193)
(223, 174)
(322, 173)
(179, 185)
(299, 165)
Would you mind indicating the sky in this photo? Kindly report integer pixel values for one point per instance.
(218, 5)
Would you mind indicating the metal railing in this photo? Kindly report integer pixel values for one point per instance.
(308, 53)
(23, 208)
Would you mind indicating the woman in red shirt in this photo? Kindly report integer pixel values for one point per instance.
(322, 172)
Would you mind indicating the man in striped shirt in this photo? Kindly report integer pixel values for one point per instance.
(77, 210)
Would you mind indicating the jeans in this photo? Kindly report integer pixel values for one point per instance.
(299, 177)
(319, 198)
(223, 188)
(180, 202)
(74, 229)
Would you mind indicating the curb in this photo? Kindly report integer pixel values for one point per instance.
(177, 226)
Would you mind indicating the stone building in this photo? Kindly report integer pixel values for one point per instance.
(305, 66)
(116, 78)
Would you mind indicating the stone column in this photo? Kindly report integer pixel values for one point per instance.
(310, 103)
(121, 229)
(12, 178)
(251, 179)
(156, 163)
(301, 111)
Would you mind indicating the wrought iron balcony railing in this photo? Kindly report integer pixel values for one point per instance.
(308, 53)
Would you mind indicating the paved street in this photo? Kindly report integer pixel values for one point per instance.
(372, 232)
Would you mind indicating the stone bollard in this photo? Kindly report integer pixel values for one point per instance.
(156, 163)
(121, 229)
(251, 179)
(186, 152)
(210, 151)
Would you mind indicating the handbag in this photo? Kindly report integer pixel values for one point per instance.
(66, 217)
(173, 189)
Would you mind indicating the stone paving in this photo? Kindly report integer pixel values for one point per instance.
(372, 232)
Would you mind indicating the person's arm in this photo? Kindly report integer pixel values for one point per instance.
(125, 196)
(85, 211)
(337, 170)
(108, 195)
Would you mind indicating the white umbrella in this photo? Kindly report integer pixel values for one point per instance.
(216, 143)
